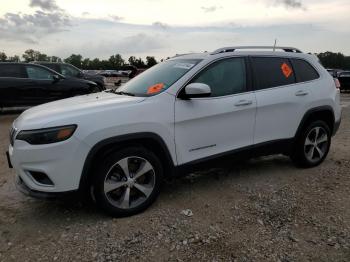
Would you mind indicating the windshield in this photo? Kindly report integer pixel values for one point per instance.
(158, 78)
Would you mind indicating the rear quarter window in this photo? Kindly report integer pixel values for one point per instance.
(304, 71)
(11, 71)
(272, 72)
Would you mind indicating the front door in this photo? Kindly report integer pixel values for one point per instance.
(219, 123)
(44, 87)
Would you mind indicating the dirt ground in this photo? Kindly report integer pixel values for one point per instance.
(264, 209)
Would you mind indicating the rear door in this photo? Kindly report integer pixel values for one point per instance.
(220, 123)
(282, 99)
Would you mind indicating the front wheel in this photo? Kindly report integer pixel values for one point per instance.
(312, 146)
(128, 181)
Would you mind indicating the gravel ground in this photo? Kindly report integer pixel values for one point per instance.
(264, 209)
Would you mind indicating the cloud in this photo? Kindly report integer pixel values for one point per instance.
(210, 9)
(139, 43)
(30, 27)
(46, 5)
(161, 25)
(290, 4)
(116, 17)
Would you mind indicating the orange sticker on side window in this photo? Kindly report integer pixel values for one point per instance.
(286, 70)
(155, 88)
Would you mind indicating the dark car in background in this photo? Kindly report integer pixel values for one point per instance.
(23, 85)
(69, 70)
(344, 79)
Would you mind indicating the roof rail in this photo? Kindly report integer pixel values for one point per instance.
(233, 48)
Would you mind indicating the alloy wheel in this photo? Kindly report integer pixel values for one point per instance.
(129, 182)
(316, 144)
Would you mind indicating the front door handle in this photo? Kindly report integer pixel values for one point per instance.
(301, 93)
(244, 103)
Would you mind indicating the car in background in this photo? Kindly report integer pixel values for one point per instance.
(71, 71)
(334, 72)
(344, 79)
(26, 84)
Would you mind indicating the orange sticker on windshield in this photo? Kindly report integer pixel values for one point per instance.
(155, 88)
(286, 70)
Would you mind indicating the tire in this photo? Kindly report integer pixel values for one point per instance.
(127, 181)
(307, 152)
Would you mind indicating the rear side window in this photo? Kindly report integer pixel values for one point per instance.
(272, 72)
(224, 77)
(304, 71)
(35, 72)
(11, 71)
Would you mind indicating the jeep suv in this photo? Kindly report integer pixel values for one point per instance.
(119, 145)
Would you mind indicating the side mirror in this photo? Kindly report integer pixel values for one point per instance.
(56, 78)
(195, 90)
(80, 74)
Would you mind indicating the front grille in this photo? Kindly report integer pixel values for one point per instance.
(12, 135)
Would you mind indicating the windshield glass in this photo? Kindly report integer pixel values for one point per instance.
(159, 77)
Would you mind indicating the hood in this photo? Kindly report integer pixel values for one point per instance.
(63, 111)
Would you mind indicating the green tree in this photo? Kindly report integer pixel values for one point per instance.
(55, 59)
(3, 57)
(96, 64)
(116, 60)
(332, 60)
(132, 60)
(138, 62)
(86, 63)
(14, 58)
(151, 61)
(74, 59)
(42, 57)
(31, 55)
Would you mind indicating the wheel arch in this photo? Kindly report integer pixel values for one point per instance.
(324, 113)
(151, 141)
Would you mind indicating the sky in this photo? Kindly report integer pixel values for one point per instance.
(162, 28)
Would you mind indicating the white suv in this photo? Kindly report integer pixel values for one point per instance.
(119, 145)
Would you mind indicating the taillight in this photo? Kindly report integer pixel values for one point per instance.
(337, 83)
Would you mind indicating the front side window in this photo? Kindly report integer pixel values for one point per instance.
(159, 77)
(35, 72)
(8, 70)
(272, 72)
(69, 71)
(224, 77)
(304, 71)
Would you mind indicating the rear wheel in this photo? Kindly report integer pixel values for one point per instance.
(128, 181)
(312, 146)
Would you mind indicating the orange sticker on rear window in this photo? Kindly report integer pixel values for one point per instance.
(286, 70)
(155, 88)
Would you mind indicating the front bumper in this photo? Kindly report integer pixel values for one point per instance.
(61, 162)
(24, 189)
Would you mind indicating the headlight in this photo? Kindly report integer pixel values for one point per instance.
(46, 135)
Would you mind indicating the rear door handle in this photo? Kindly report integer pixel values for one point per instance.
(301, 93)
(244, 103)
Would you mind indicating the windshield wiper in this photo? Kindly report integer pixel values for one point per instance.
(123, 93)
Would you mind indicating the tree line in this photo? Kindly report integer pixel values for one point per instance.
(79, 61)
(328, 60)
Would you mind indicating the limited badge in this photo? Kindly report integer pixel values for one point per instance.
(286, 70)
